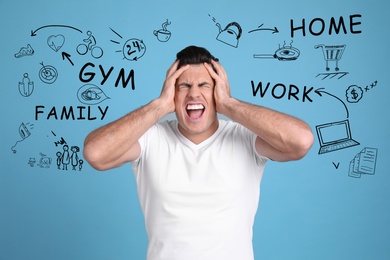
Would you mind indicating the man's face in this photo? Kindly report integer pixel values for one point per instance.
(195, 105)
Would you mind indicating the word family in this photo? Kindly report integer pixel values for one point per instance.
(71, 113)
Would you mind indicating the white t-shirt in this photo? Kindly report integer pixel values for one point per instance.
(199, 200)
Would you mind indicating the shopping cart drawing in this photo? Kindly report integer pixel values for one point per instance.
(331, 53)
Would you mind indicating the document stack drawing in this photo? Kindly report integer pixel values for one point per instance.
(363, 163)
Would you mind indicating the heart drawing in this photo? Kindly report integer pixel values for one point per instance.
(56, 42)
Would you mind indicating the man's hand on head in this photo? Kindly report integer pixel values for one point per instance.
(222, 86)
(167, 95)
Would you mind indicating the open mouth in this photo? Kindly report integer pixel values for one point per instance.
(195, 111)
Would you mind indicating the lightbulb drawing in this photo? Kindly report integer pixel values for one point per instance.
(24, 132)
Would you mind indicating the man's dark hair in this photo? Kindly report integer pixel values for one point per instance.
(194, 55)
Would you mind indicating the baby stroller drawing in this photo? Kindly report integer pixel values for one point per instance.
(332, 53)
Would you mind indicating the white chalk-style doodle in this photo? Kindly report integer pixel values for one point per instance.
(364, 163)
(48, 74)
(260, 28)
(26, 86)
(44, 161)
(24, 132)
(284, 53)
(91, 94)
(56, 42)
(332, 53)
(335, 136)
(163, 35)
(354, 93)
(89, 45)
(133, 49)
(25, 51)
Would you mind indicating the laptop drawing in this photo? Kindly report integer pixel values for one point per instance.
(334, 136)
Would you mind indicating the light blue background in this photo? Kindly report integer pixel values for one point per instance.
(310, 209)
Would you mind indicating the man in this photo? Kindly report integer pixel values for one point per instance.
(198, 177)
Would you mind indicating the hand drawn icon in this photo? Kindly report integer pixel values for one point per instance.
(90, 45)
(26, 86)
(230, 35)
(321, 91)
(74, 158)
(260, 28)
(371, 86)
(363, 163)
(44, 161)
(334, 136)
(133, 49)
(354, 93)
(58, 154)
(332, 53)
(31, 162)
(284, 53)
(48, 74)
(25, 51)
(163, 35)
(91, 94)
(56, 42)
(24, 132)
(67, 157)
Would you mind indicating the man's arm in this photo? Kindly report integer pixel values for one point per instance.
(117, 143)
(280, 137)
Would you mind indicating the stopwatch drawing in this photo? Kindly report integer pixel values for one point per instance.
(134, 49)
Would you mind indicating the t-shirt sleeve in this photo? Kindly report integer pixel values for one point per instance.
(260, 159)
(250, 138)
(143, 140)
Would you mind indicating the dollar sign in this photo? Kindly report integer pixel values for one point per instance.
(354, 94)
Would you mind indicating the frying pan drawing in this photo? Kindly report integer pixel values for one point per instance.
(284, 53)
